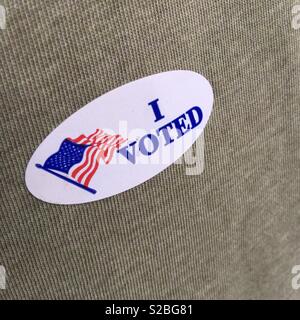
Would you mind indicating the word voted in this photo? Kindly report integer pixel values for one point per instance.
(171, 131)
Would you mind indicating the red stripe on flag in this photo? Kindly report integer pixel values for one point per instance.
(74, 173)
(90, 176)
(82, 175)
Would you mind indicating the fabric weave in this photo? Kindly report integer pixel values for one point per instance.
(231, 232)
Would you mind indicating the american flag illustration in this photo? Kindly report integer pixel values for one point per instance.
(77, 160)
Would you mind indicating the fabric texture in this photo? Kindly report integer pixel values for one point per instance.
(232, 232)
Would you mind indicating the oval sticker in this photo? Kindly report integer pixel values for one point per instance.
(121, 139)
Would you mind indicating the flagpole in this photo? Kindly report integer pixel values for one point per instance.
(66, 179)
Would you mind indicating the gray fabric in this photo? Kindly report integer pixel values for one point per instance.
(231, 232)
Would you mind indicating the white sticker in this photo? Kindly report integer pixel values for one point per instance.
(121, 139)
